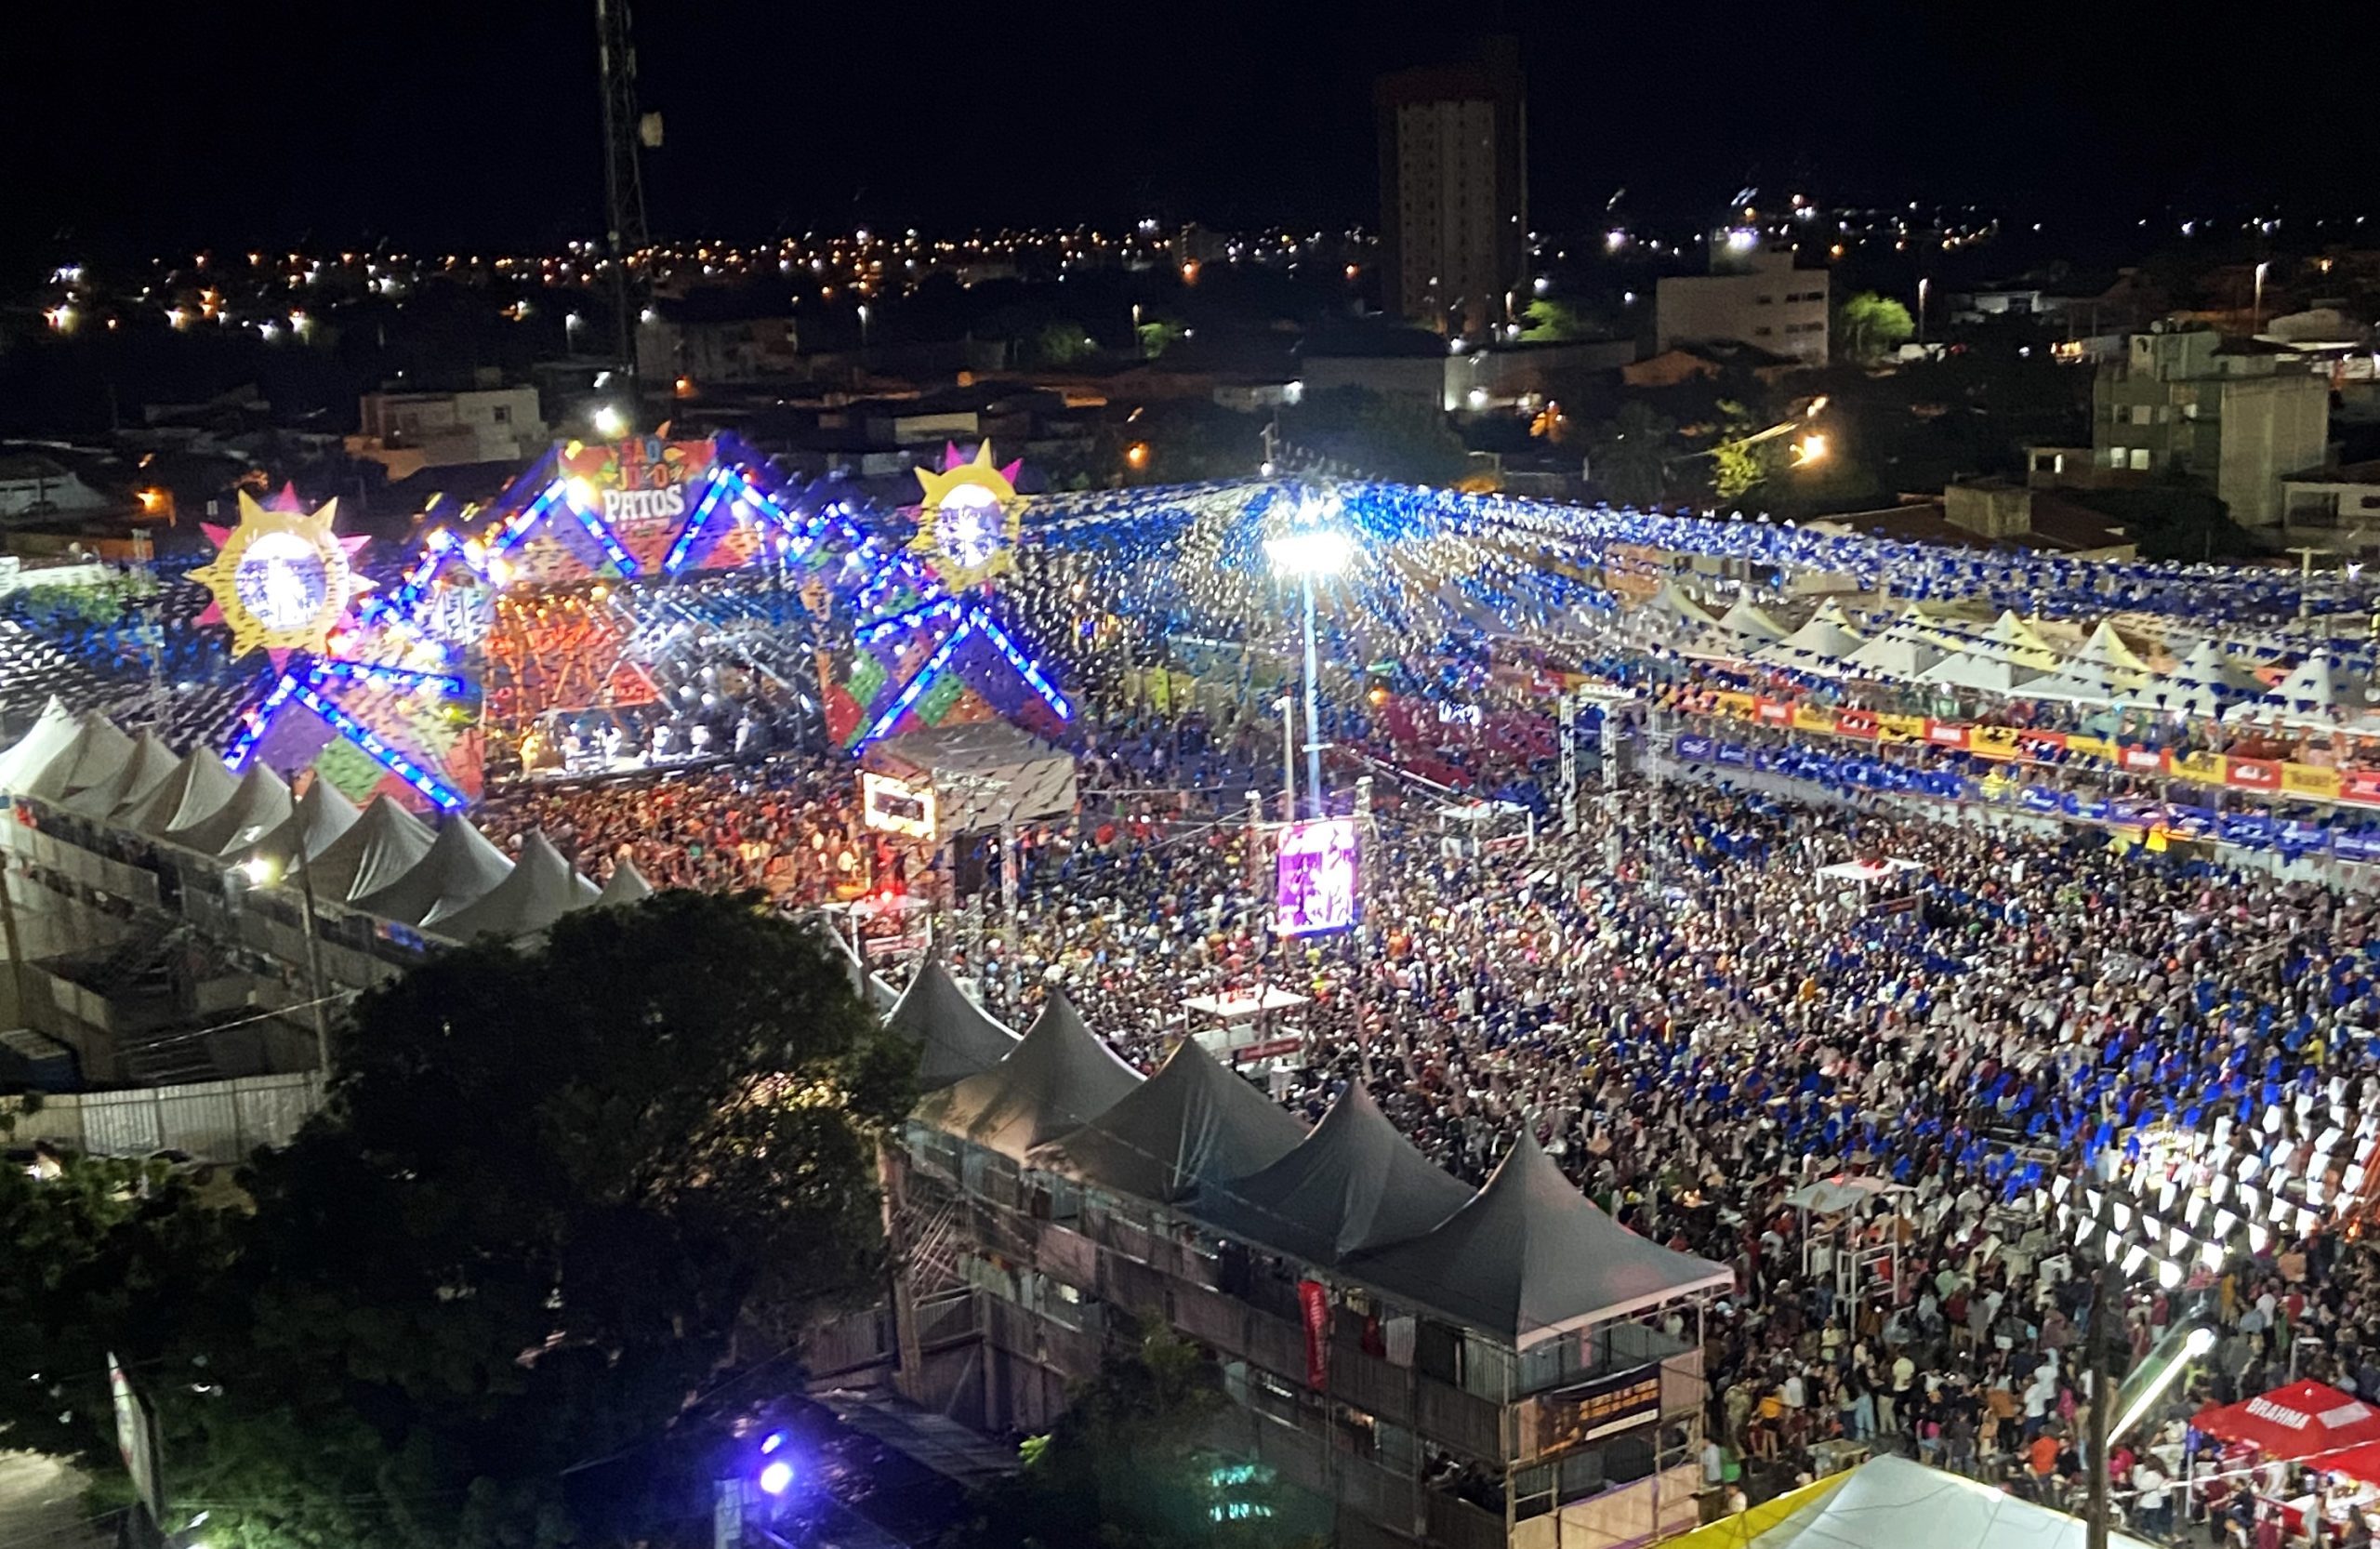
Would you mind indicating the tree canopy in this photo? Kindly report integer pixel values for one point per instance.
(558, 1193)
(1868, 325)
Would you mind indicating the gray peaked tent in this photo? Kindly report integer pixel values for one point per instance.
(539, 889)
(1056, 1078)
(458, 869)
(1191, 1125)
(625, 885)
(381, 845)
(95, 752)
(1750, 624)
(149, 765)
(257, 807)
(1354, 1184)
(956, 1038)
(28, 754)
(1530, 1258)
(316, 822)
(197, 789)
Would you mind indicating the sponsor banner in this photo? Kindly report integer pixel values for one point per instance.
(2042, 746)
(1570, 1416)
(1736, 756)
(1993, 742)
(1810, 718)
(2357, 847)
(1946, 733)
(1740, 706)
(1856, 723)
(1314, 1301)
(2093, 748)
(2205, 768)
(2142, 760)
(1775, 712)
(2252, 774)
(1902, 728)
(2307, 779)
(1694, 750)
(2360, 785)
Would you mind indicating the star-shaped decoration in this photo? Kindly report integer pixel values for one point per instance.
(967, 523)
(283, 579)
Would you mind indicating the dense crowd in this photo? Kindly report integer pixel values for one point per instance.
(1696, 1023)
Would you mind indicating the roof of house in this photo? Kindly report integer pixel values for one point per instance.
(2060, 526)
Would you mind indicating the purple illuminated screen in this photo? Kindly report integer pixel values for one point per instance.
(1315, 888)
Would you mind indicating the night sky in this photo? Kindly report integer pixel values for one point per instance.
(436, 123)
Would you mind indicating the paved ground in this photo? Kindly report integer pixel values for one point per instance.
(41, 1505)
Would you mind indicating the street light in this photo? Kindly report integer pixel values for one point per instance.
(610, 423)
(262, 871)
(1307, 553)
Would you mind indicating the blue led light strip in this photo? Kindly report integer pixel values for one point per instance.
(378, 676)
(601, 531)
(1031, 672)
(926, 674)
(260, 722)
(517, 526)
(745, 489)
(381, 753)
(682, 549)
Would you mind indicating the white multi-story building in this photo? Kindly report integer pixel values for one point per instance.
(1755, 297)
(413, 430)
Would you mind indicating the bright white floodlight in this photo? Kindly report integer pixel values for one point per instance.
(1309, 551)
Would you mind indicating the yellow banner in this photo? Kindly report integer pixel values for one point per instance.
(1809, 718)
(1901, 728)
(1742, 707)
(1994, 742)
(2305, 779)
(2205, 768)
(2098, 747)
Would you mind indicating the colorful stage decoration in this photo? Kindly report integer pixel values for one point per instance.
(968, 521)
(1315, 878)
(281, 579)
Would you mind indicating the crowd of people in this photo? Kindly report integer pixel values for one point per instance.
(1695, 1023)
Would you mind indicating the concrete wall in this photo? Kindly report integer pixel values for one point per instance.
(2271, 427)
(1776, 308)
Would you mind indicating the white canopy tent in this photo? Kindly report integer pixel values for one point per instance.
(317, 821)
(2008, 655)
(625, 886)
(93, 756)
(1750, 624)
(1893, 1502)
(1819, 646)
(381, 845)
(149, 765)
(1191, 1125)
(259, 806)
(1903, 651)
(2209, 682)
(50, 732)
(197, 789)
(956, 1038)
(458, 869)
(539, 889)
(2316, 693)
(1057, 1078)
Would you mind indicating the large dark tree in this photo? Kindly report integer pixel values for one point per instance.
(554, 1189)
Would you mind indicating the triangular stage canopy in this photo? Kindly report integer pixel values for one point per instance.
(1672, 602)
(625, 885)
(1817, 646)
(379, 847)
(318, 820)
(30, 754)
(1530, 1258)
(1353, 1184)
(458, 869)
(2316, 693)
(149, 765)
(1058, 1077)
(259, 806)
(956, 1038)
(197, 789)
(1192, 1125)
(1903, 651)
(2209, 682)
(1749, 623)
(2009, 654)
(539, 889)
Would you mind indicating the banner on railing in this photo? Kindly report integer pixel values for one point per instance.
(1313, 1302)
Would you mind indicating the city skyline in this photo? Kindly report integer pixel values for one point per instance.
(264, 129)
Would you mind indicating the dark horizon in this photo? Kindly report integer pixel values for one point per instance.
(444, 125)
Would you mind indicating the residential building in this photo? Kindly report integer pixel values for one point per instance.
(36, 484)
(1454, 190)
(1525, 377)
(1753, 296)
(2234, 416)
(408, 431)
(2344, 501)
(1429, 1364)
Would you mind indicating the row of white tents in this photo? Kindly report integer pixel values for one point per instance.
(2010, 658)
(1526, 1258)
(378, 860)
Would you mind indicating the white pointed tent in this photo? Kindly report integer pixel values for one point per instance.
(149, 765)
(1817, 646)
(1058, 1077)
(539, 889)
(625, 885)
(459, 868)
(321, 816)
(1671, 603)
(1530, 1258)
(197, 788)
(2316, 693)
(49, 733)
(2209, 681)
(97, 752)
(259, 806)
(1192, 1125)
(1750, 624)
(2009, 654)
(2103, 672)
(1903, 651)
(956, 1038)
(1354, 1184)
(1895, 1503)
(381, 845)
(2106, 645)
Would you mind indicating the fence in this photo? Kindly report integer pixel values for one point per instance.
(219, 1121)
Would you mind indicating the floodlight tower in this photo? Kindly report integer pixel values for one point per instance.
(623, 132)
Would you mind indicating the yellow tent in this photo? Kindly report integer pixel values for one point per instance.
(1732, 1533)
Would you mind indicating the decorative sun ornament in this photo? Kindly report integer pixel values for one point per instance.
(967, 522)
(282, 578)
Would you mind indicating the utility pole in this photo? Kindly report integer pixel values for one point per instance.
(1568, 722)
(1313, 700)
(1289, 709)
(314, 990)
(2104, 1289)
(2304, 553)
(624, 130)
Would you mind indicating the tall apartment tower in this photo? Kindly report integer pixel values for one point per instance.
(1454, 190)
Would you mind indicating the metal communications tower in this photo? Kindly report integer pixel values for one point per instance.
(624, 131)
